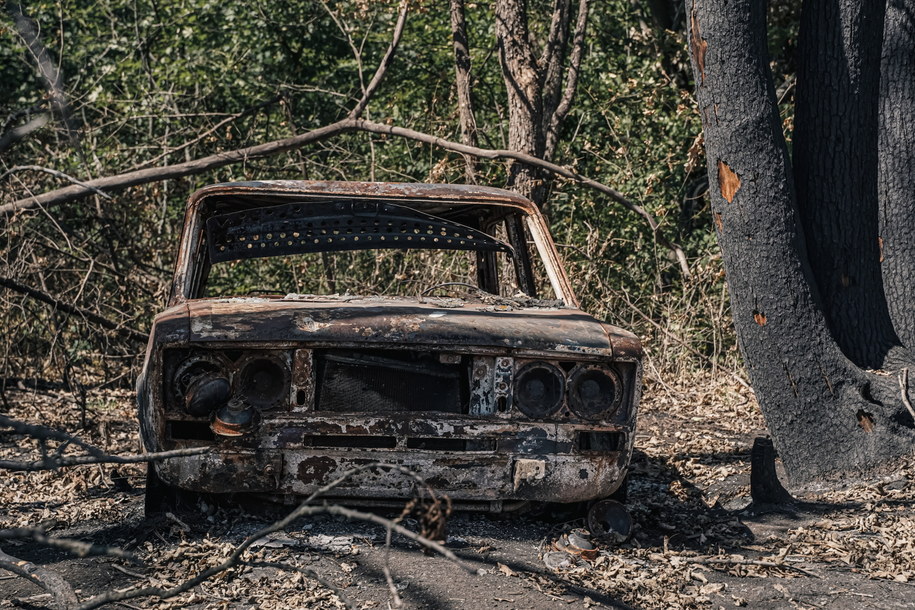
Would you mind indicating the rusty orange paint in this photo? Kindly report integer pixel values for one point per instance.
(699, 45)
(880, 245)
(760, 318)
(865, 420)
(728, 181)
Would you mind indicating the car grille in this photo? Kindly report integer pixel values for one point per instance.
(388, 382)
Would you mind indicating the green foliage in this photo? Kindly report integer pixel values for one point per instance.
(149, 82)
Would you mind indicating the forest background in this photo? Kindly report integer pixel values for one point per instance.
(144, 84)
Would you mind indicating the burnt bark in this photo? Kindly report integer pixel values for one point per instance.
(826, 414)
(896, 143)
(835, 162)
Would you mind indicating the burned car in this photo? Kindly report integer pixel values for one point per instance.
(317, 326)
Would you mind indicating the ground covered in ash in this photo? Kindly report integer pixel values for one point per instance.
(696, 544)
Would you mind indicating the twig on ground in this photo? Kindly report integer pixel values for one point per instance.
(303, 510)
(76, 547)
(731, 561)
(904, 390)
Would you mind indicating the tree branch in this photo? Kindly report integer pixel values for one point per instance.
(124, 331)
(542, 164)
(76, 547)
(198, 166)
(26, 29)
(55, 173)
(558, 115)
(63, 594)
(385, 62)
(17, 133)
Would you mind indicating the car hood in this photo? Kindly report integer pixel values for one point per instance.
(387, 321)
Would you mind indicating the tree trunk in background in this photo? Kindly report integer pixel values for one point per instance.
(897, 166)
(826, 415)
(540, 83)
(523, 83)
(462, 85)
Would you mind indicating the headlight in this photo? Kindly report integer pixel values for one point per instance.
(539, 388)
(595, 391)
(201, 385)
(263, 382)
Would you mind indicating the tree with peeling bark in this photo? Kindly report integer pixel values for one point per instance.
(539, 85)
(817, 242)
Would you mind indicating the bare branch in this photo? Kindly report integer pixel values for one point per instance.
(63, 594)
(557, 116)
(95, 455)
(46, 68)
(53, 462)
(55, 173)
(120, 329)
(385, 62)
(343, 126)
(17, 133)
(542, 164)
(303, 510)
(178, 170)
(76, 547)
(210, 131)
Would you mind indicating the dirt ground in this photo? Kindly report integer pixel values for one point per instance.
(696, 544)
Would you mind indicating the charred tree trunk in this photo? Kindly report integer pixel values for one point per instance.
(826, 415)
(835, 163)
(897, 166)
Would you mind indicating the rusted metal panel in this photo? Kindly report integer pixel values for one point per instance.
(377, 320)
(476, 446)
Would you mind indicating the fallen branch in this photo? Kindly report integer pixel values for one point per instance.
(731, 561)
(260, 151)
(76, 547)
(304, 509)
(56, 174)
(95, 455)
(63, 594)
(125, 331)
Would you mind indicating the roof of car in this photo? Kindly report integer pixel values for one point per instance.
(461, 194)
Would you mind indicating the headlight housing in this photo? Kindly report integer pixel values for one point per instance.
(595, 391)
(539, 389)
(201, 384)
(263, 381)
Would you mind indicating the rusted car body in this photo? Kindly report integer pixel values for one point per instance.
(493, 399)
